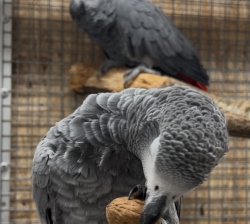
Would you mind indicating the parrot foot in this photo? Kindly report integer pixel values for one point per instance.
(133, 73)
(105, 66)
(137, 193)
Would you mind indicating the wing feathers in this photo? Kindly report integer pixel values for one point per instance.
(149, 32)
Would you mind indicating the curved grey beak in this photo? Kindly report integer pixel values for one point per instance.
(76, 8)
(153, 210)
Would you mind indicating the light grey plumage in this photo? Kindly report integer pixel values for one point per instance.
(138, 34)
(172, 136)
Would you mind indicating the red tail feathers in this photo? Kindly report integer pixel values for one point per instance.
(192, 81)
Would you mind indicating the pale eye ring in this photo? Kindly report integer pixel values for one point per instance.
(156, 187)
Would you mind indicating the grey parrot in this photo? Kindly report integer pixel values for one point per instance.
(166, 139)
(137, 34)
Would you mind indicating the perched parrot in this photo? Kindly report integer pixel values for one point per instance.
(137, 34)
(167, 140)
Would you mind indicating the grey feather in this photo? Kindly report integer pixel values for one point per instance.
(131, 30)
(112, 102)
(97, 153)
(101, 99)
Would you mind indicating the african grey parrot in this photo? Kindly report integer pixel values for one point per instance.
(169, 139)
(138, 34)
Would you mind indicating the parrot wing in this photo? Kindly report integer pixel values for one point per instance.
(148, 31)
(82, 164)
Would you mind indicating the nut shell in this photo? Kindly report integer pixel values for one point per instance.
(124, 211)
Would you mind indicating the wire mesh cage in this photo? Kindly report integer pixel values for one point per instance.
(39, 43)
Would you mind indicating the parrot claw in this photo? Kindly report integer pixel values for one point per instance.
(105, 66)
(137, 193)
(133, 73)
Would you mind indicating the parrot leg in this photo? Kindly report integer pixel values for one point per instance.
(137, 192)
(108, 64)
(133, 73)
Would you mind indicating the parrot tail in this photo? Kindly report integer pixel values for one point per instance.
(192, 82)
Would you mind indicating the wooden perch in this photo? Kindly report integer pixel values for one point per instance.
(83, 80)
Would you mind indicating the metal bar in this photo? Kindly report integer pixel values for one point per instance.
(5, 102)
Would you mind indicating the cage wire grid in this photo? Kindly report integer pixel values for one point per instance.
(39, 43)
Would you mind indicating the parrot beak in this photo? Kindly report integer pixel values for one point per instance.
(153, 209)
(76, 8)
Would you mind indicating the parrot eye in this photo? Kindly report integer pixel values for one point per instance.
(156, 187)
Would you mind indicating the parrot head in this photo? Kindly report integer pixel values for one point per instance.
(163, 187)
(82, 10)
(90, 15)
(80, 6)
(181, 158)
